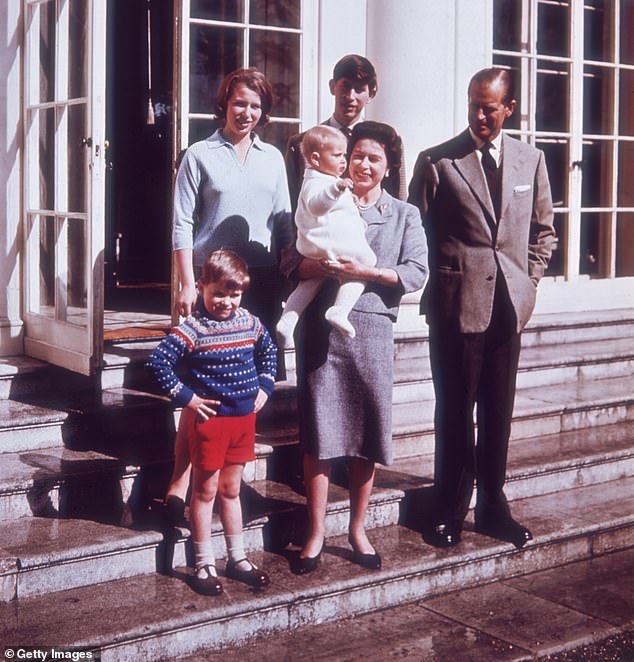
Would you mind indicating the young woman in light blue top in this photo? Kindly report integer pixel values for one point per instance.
(231, 192)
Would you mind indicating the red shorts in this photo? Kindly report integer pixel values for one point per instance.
(221, 440)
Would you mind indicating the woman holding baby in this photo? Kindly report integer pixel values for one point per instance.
(345, 383)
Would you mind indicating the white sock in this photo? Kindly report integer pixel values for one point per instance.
(235, 551)
(286, 328)
(204, 555)
(338, 318)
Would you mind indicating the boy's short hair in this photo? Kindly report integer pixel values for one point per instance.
(316, 138)
(358, 68)
(225, 267)
(255, 81)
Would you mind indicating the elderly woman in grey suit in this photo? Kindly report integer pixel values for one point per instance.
(344, 384)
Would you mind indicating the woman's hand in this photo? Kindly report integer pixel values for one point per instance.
(311, 269)
(348, 268)
(260, 400)
(203, 408)
(186, 299)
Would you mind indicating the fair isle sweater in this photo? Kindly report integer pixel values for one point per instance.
(228, 360)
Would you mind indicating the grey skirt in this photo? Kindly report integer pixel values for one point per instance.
(345, 387)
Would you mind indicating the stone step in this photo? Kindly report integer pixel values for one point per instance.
(158, 616)
(539, 366)
(123, 361)
(47, 555)
(25, 427)
(538, 411)
(536, 466)
(64, 550)
(60, 482)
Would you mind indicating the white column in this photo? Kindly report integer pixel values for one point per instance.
(10, 180)
(342, 30)
(425, 52)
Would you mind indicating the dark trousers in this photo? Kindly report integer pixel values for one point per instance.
(468, 370)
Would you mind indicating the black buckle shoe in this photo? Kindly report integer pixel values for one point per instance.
(203, 581)
(253, 576)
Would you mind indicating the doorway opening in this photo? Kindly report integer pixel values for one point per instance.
(139, 127)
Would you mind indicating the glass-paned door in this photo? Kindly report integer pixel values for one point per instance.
(216, 37)
(64, 89)
(573, 63)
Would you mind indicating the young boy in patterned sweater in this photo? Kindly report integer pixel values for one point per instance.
(229, 363)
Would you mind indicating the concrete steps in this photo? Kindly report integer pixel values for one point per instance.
(536, 466)
(48, 555)
(84, 461)
(153, 617)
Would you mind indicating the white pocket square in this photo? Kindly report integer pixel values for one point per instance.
(521, 188)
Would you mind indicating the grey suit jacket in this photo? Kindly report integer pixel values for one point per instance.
(468, 248)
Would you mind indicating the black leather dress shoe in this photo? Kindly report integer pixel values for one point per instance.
(506, 529)
(443, 534)
(302, 566)
(253, 576)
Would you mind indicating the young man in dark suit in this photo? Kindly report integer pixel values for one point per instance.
(353, 86)
(486, 206)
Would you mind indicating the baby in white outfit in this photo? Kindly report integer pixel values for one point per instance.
(328, 225)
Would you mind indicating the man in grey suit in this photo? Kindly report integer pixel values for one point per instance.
(487, 210)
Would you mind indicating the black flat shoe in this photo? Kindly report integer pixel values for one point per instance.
(204, 582)
(506, 529)
(443, 534)
(253, 576)
(303, 566)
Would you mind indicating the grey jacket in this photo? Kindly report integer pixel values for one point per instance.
(468, 248)
(396, 235)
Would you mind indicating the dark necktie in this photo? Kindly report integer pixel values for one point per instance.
(347, 132)
(491, 173)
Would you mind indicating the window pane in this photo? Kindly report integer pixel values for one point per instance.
(626, 168)
(228, 10)
(77, 68)
(214, 53)
(552, 93)
(593, 235)
(47, 158)
(47, 51)
(553, 29)
(279, 13)
(46, 232)
(558, 258)
(201, 129)
(275, 54)
(598, 99)
(598, 35)
(278, 133)
(507, 25)
(77, 156)
(625, 245)
(626, 102)
(557, 161)
(627, 30)
(596, 188)
(513, 65)
(77, 291)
